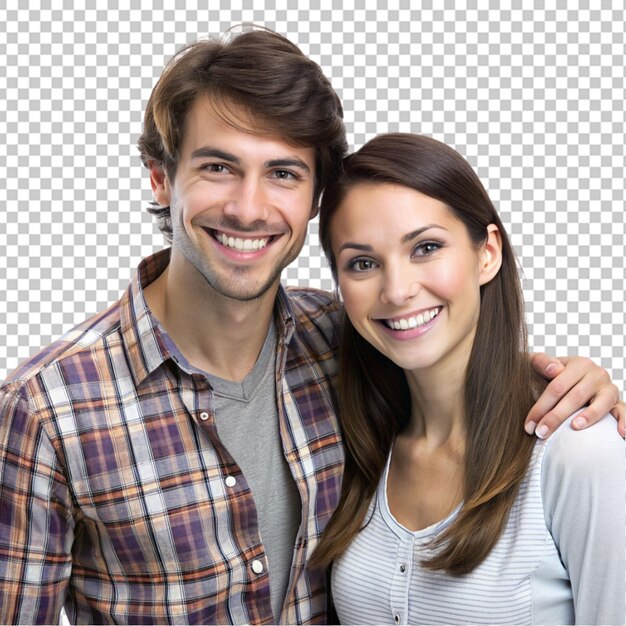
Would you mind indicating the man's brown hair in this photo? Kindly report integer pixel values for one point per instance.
(280, 90)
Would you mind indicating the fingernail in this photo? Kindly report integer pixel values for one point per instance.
(529, 427)
(542, 431)
(579, 422)
(551, 369)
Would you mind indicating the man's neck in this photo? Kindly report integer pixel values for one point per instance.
(218, 335)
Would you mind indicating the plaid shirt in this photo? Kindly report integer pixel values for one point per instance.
(113, 495)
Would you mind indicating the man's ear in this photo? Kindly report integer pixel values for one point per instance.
(160, 184)
(490, 255)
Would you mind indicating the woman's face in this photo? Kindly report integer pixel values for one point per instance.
(409, 274)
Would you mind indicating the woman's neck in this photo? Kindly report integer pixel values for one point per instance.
(437, 405)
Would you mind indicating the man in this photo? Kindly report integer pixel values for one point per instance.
(175, 458)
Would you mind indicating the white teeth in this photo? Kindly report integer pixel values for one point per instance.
(243, 245)
(413, 322)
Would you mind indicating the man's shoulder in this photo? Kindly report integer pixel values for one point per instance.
(76, 346)
(313, 303)
(317, 316)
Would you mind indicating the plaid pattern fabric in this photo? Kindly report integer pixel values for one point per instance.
(113, 493)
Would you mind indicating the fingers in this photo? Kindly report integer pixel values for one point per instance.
(546, 365)
(619, 413)
(580, 383)
(566, 378)
(600, 405)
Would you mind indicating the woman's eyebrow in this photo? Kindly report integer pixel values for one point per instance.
(405, 239)
(418, 231)
(356, 246)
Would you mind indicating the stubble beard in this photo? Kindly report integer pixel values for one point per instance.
(236, 282)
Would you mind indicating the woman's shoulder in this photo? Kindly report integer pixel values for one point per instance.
(599, 444)
(581, 467)
(582, 490)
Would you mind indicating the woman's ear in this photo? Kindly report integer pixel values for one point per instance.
(160, 184)
(490, 255)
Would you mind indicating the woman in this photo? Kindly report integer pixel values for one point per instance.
(449, 511)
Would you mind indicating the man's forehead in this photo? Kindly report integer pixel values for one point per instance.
(232, 120)
(207, 108)
(226, 110)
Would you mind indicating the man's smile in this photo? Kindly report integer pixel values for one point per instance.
(242, 244)
(239, 241)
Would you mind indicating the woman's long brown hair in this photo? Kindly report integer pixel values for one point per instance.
(374, 399)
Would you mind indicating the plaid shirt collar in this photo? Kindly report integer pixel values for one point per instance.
(144, 338)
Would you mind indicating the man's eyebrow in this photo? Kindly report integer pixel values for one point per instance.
(207, 152)
(288, 163)
(214, 152)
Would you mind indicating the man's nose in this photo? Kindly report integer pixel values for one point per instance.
(249, 202)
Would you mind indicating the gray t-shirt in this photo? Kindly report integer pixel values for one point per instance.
(246, 416)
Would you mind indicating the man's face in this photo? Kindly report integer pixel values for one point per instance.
(240, 203)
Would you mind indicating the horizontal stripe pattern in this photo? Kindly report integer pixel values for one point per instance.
(379, 579)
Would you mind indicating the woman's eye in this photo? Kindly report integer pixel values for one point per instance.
(426, 247)
(361, 265)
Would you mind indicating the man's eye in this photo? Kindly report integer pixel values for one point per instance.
(214, 168)
(284, 174)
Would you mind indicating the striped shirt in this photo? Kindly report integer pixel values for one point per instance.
(117, 499)
(559, 560)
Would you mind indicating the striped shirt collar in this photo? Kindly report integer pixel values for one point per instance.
(144, 338)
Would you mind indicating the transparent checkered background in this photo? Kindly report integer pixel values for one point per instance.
(533, 98)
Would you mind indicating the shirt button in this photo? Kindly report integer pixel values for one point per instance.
(230, 481)
(396, 618)
(204, 416)
(257, 566)
(403, 568)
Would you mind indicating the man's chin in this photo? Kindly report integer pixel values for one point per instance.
(247, 290)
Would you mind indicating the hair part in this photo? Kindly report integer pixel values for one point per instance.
(281, 91)
(374, 400)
